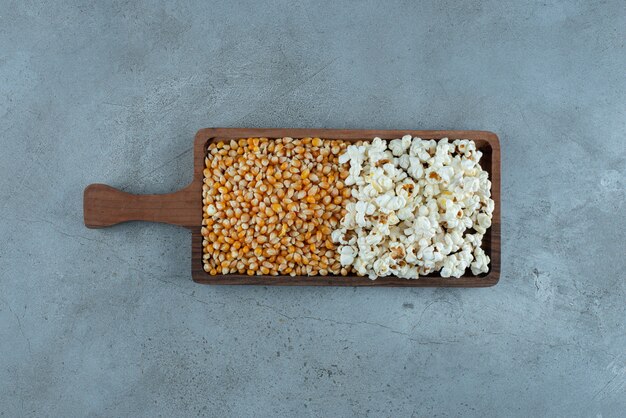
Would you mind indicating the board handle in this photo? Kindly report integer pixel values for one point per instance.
(106, 206)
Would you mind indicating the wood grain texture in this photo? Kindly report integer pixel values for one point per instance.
(105, 206)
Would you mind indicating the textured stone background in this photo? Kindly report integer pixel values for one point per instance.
(109, 323)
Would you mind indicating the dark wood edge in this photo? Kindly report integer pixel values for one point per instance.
(496, 222)
(490, 279)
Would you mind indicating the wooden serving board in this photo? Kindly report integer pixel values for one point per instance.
(105, 206)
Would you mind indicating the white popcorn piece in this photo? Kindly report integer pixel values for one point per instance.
(380, 181)
(355, 154)
(403, 162)
(365, 193)
(366, 251)
(392, 219)
(446, 173)
(389, 203)
(484, 220)
(338, 236)
(481, 262)
(411, 254)
(362, 209)
(377, 150)
(400, 146)
(346, 255)
(415, 169)
(375, 237)
(360, 266)
(405, 213)
(381, 267)
(382, 228)
(416, 201)
(407, 272)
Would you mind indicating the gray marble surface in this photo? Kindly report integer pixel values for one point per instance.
(108, 322)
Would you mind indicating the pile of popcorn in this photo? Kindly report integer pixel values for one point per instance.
(421, 206)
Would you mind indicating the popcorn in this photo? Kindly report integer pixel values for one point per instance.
(415, 169)
(388, 203)
(405, 213)
(375, 237)
(346, 255)
(383, 228)
(399, 146)
(380, 181)
(337, 236)
(377, 151)
(381, 268)
(481, 261)
(404, 161)
(356, 156)
(362, 209)
(484, 221)
(416, 204)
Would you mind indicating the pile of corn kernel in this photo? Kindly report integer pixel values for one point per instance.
(270, 206)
